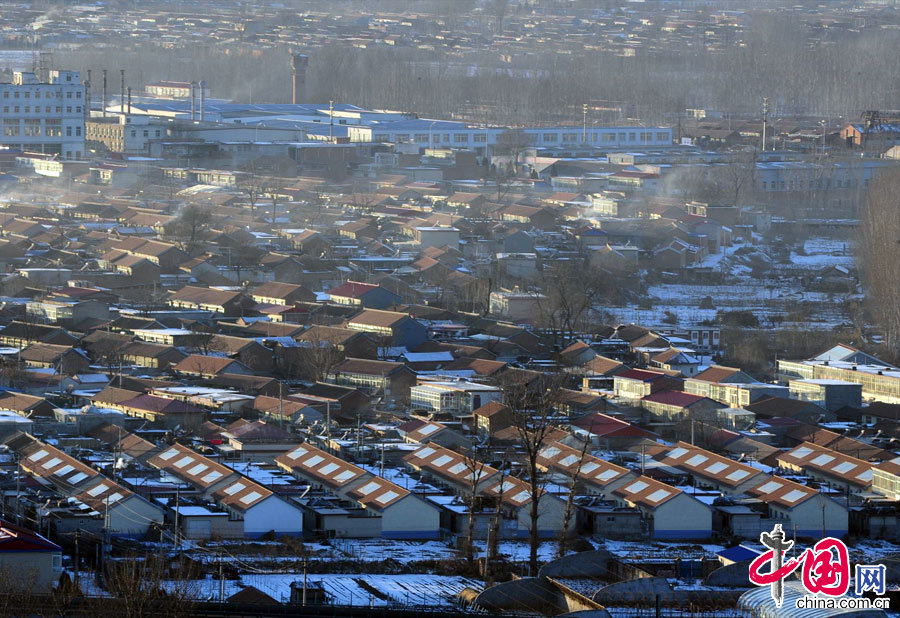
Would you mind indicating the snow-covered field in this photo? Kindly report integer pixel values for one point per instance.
(781, 292)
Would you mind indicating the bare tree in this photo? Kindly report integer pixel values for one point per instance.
(571, 289)
(493, 535)
(534, 418)
(191, 222)
(570, 501)
(476, 468)
(879, 257)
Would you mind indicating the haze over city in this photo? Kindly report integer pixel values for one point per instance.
(467, 307)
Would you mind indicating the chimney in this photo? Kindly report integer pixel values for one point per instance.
(193, 99)
(202, 99)
(299, 62)
(103, 102)
(122, 100)
(87, 96)
(129, 100)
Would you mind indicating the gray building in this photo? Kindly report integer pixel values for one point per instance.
(44, 116)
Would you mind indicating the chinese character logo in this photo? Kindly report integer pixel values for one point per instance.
(826, 566)
(869, 577)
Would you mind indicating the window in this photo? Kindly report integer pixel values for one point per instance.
(479, 137)
(6, 94)
(16, 109)
(78, 95)
(58, 109)
(549, 137)
(461, 138)
(662, 136)
(53, 127)
(421, 137)
(446, 138)
(32, 127)
(68, 95)
(68, 131)
(10, 127)
(631, 136)
(570, 137)
(16, 94)
(77, 131)
(622, 137)
(27, 109)
(77, 109)
(157, 133)
(27, 95)
(133, 133)
(609, 137)
(68, 109)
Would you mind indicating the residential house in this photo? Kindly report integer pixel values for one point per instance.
(357, 294)
(667, 512)
(378, 378)
(29, 559)
(61, 358)
(198, 365)
(217, 301)
(389, 328)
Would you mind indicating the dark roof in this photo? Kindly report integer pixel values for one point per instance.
(259, 431)
(640, 375)
(205, 296)
(352, 289)
(153, 403)
(14, 539)
(738, 553)
(369, 367)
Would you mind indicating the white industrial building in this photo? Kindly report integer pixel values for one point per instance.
(46, 117)
(483, 139)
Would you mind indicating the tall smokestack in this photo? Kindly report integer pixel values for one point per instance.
(129, 100)
(202, 99)
(299, 62)
(103, 102)
(193, 99)
(122, 100)
(87, 96)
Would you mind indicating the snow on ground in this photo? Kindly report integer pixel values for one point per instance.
(654, 550)
(870, 551)
(358, 590)
(376, 550)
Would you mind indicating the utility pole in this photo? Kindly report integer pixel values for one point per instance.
(584, 123)
(221, 581)
(305, 564)
(328, 419)
(18, 489)
(280, 405)
(177, 501)
(765, 119)
(331, 116)
(76, 559)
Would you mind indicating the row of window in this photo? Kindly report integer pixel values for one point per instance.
(800, 185)
(37, 110)
(37, 94)
(32, 128)
(569, 138)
